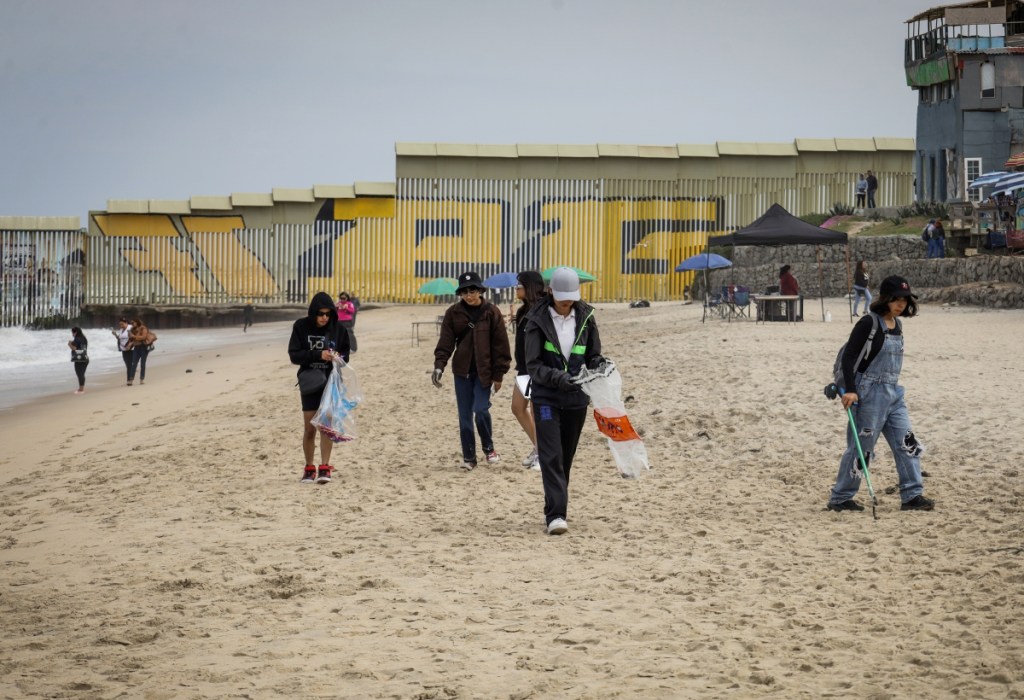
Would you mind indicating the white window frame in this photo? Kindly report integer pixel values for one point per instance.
(974, 193)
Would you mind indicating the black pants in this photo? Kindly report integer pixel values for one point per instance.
(558, 434)
(139, 355)
(126, 355)
(80, 371)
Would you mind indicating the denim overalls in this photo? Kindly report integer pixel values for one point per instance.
(881, 408)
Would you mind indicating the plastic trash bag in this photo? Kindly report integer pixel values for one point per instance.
(604, 387)
(342, 394)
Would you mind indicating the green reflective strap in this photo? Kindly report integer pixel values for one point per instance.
(578, 350)
(550, 347)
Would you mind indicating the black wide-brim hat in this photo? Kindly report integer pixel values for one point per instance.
(468, 280)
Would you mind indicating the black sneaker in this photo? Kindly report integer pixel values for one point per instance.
(845, 505)
(308, 474)
(918, 503)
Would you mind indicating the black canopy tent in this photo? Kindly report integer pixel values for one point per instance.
(778, 227)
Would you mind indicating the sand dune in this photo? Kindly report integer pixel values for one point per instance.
(156, 542)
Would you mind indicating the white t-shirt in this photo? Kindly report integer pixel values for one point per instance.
(565, 328)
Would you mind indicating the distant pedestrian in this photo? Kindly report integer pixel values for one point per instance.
(247, 313)
(860, 287)
(124, 346)
(79, 356)
(140, 340)
(938, 240)
(862, 190)
(474, 336)
(346, 317)
(872, 189)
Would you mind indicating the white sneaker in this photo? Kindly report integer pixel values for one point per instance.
(493, 457)
(535, 467)
(469, 466)
(531, 459)
(558, 526)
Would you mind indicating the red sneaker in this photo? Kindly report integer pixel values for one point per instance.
(308, 474)
(324, 473)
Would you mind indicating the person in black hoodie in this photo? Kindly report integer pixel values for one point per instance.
(561, 337)
(315, 339)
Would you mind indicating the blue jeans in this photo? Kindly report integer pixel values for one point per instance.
(474, 402)
(861, 292)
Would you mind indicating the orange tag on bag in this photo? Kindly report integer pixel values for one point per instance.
(614, 425)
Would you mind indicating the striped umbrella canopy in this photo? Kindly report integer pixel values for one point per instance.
(1008, 183)
(1015, 161)
(986, 179)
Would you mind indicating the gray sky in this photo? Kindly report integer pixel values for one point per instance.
(141, 99)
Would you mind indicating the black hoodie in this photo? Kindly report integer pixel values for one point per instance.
(309, 340)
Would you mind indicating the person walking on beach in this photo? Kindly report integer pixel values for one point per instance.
(561, 337)
(124, 347)
(346, 317)
(79, 356)
(474, 336)
(872, 188)
(139, 341)
(316, 338)
(860, 287)
(877, 399)
(247, 313)
(530, 291)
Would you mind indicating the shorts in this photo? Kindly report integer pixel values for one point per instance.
(311, 402)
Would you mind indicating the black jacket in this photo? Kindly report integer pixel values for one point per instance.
(548, 369)
(309, 340)
(858, 336)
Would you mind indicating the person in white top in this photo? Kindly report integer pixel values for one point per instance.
(122, 334)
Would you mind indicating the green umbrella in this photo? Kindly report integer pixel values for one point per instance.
(438, 286)
(583, 274)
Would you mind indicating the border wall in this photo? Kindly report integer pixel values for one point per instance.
(626, 214)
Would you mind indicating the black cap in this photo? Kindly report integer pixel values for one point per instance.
(896, 287)
(468, 280)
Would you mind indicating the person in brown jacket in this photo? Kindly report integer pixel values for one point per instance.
(139, 339)
(473, 335)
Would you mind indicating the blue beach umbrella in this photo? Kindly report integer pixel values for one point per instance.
(502, 280)
(703, 261)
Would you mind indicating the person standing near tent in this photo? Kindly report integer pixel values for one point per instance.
(474, 336)
(788, 285)
(877, 400)
(561, 337)
(530, 291)
(860, 287)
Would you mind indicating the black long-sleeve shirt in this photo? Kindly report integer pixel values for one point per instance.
(858, 336)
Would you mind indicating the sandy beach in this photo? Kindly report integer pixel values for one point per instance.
(156, 542)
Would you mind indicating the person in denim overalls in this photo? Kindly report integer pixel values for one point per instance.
(878, 403)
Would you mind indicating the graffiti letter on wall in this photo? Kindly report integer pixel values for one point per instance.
(238, 270)
(155, 237)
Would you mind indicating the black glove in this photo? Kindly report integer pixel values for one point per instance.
(565, 383)
(436, 377)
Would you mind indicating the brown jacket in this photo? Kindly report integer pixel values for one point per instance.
(140, 335)
(486, 342)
